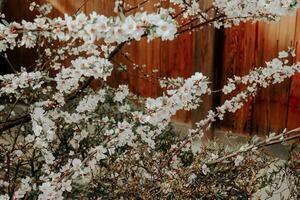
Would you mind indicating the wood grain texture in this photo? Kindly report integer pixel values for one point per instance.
(203, 42)
(239, 45)
(293, 118)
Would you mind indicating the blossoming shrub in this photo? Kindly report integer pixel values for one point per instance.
(62, 139)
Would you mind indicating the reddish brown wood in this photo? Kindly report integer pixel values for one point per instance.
(247, 46)
(293, 120)
(239, 47)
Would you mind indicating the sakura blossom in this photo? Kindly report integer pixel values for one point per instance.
(75, 140)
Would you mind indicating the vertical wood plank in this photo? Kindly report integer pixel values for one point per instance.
(203, 61)
(239, 56)
(293, 120)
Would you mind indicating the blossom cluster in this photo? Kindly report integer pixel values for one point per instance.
(244, 10)
(88, 28)
(228, 13)
(276, 71)
(187, 97)
(16, 83)
(68, 78)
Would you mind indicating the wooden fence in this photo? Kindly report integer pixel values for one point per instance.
(245, 46)
(250, 45)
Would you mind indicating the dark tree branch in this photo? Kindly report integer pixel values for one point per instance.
(26, 118)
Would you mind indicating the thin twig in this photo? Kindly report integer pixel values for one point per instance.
(83, 4)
